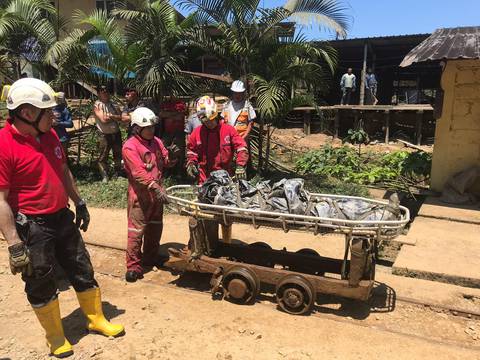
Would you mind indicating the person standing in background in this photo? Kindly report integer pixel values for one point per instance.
(133, 102)
(107, 118)
(348, 86)
(62, 121)
(371, 84)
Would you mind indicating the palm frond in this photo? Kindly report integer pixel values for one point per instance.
(327, 14)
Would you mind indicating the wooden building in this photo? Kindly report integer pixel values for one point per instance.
(457, 134)
(396, 85)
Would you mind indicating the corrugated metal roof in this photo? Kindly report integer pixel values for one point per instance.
(447, 44)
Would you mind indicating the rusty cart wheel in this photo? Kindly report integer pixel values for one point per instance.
(262, 261)
(305, 269)
(241, 285)
(295, 295)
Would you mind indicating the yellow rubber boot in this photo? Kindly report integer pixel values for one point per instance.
(49, 318)
(91, 305)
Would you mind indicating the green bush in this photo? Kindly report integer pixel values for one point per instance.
(345, 164)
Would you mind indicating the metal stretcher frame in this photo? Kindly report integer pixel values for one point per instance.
(382, 229)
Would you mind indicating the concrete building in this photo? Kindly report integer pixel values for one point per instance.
(457, 134)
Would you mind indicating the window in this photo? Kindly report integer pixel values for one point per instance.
(107, 5)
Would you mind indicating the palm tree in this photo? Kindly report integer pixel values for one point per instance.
(247, 38)
(28, 29)
(146, 52)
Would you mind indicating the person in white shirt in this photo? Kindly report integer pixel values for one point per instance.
(107, 117)
(239, 112)
(348, 86)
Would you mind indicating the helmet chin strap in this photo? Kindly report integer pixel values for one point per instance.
(35, 123)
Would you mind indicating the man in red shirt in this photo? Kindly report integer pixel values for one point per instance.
(211, 147)
(35, 184)
(145, 159)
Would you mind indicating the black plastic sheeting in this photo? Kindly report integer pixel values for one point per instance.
(289, 196)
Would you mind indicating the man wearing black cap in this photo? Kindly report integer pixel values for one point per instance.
(133, 102)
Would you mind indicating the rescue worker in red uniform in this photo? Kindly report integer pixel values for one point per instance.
(211, 147)
(172, 126)
(145, 159)
(35, 184)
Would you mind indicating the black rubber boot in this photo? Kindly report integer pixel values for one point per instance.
(132, 276)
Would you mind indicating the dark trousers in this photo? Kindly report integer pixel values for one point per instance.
(347, 94)
(106, 143)
(54, 238)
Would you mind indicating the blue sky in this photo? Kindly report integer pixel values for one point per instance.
(400, 17)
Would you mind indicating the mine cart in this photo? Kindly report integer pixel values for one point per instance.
(239, 271)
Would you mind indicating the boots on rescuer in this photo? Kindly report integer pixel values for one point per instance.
(49, 317)
(91, 305)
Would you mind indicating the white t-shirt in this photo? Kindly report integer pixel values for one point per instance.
(110, 127)
(235, 108)
(349, 80)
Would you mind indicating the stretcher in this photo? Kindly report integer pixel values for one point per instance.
(238, 270)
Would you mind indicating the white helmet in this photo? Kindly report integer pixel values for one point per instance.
(238, 86)
(206, 105)
(31, 91)
(143, 117)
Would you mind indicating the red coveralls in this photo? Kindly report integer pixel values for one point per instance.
(144, 164)
(214, 149)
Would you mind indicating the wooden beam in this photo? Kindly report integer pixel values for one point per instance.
(387, 127)
(364, 71)
(336, 124)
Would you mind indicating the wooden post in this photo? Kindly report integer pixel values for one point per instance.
(387, 127)
(355, 119)
(418, 127)
(307, 119)
(364, 71)
(260, 145)
(336, 124)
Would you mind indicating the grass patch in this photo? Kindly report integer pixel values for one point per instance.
(112, 194)
(105, 195)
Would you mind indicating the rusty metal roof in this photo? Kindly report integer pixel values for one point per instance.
(447, 44)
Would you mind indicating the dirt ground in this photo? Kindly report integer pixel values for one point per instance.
(296, 139)
(172, 316)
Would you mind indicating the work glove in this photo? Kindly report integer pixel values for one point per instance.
(174, 152)
(240, 173)
(192, 170)
(82, 217)
(20, 259)
(160, 194)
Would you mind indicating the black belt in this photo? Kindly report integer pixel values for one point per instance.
(19, 217)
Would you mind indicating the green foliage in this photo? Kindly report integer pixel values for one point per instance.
(331, 185)
(28, 29)
(345, 164)
(357, 136)
(249, 42)
(105, 195)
